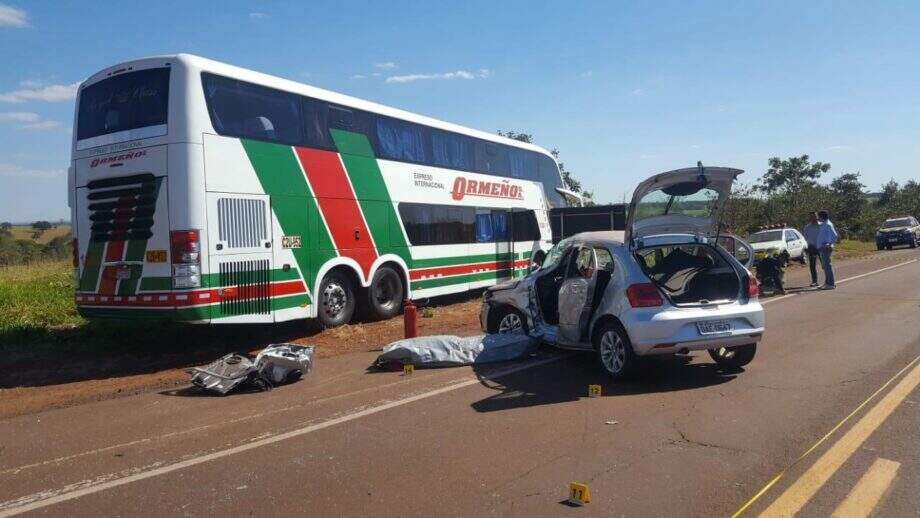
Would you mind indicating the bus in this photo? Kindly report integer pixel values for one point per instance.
(205, 192)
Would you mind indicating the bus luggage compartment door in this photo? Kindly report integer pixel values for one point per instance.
(240, 256)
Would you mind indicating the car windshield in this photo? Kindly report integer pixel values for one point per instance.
(892, 223)
(556, 253)
(763, 237)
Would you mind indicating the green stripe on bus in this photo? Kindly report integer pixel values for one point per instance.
(462, 259)
(504, 274)
(135, 251)
(91, 266)
(211, 279)
(371, 192)
(292, 202)
(183, 314)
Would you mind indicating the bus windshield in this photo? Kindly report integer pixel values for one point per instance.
(129, 101)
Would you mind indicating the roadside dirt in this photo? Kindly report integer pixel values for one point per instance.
(56, 377)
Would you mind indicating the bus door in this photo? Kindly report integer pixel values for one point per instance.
(240, 256)
(503, 225)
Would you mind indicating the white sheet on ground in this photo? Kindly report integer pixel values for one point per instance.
(449, 350)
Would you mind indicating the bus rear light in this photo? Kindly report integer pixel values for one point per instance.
(644, 295)
(185, 249)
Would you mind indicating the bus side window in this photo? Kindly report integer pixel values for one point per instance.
(316, 124)
(492, 158)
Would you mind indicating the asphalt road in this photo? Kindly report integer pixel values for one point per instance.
(683, 440)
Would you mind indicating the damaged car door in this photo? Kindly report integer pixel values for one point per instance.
(576, 296)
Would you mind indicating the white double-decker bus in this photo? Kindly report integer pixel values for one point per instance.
(205, 192)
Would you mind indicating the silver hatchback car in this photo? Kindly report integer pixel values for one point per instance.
(663, 288)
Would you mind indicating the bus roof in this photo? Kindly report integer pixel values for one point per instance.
(204, 64)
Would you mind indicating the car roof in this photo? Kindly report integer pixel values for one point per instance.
(606, 237)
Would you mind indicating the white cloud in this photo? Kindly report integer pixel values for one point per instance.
(14, 170)
(359, 76)
(34, 91)
(587, 73)
(389, 65)
(258, 16)
(13, 17)
(444, 76)
(29, 120)
(837, 148)
(376, 74)
(637, 92)
(19, 117)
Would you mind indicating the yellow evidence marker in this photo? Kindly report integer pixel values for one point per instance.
(594, 391)
(579, 494)
(408, 369)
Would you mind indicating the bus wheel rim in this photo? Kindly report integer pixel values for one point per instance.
(384, 293)
(334, 299)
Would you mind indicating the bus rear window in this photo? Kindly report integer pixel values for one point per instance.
(124, 102)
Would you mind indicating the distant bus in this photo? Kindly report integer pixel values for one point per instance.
(205, 192)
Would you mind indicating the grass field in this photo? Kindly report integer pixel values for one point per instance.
(35, 297)
(27, 232)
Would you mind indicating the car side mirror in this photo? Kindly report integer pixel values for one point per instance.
(534, 267)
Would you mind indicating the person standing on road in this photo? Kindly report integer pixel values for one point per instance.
(827, 238)
(811, 238)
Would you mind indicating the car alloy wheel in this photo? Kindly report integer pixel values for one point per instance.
(613, 352)
(510, 323)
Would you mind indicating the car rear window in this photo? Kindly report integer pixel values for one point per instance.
(891, 223)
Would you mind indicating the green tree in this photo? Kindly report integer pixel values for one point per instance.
(848, 202)
(792, 175)
(41, 225)
(568, 179)
(889, 191)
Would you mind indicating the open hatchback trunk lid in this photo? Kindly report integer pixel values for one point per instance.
(683, 201)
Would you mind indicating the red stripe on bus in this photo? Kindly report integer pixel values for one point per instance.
(114, 250)
(180, 299)
(424, 273)
(336, 200)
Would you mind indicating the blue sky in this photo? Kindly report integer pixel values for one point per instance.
(624, 90)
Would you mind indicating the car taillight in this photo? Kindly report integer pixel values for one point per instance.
(185, 249)
(644, 295)
(753, 290)
(75, 252)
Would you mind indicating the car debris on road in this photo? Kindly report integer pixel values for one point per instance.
(274, 365)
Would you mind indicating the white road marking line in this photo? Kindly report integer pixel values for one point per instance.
(867, 493)
(51, 497)
(841, 281)
(794, 498)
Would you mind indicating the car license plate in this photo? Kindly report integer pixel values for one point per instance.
(892, 239)
(714, 327)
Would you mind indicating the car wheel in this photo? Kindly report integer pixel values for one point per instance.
(734, 357)
(913, 243)
(336, 300)
(879, 246)
(887, 247)
(385, 294)
(614, 351)
(507, 320)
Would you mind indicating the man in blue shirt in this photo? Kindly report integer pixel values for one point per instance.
(811, 237)
(827, 238)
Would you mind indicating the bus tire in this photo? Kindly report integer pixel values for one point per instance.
(336, 299)
(385, 294)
